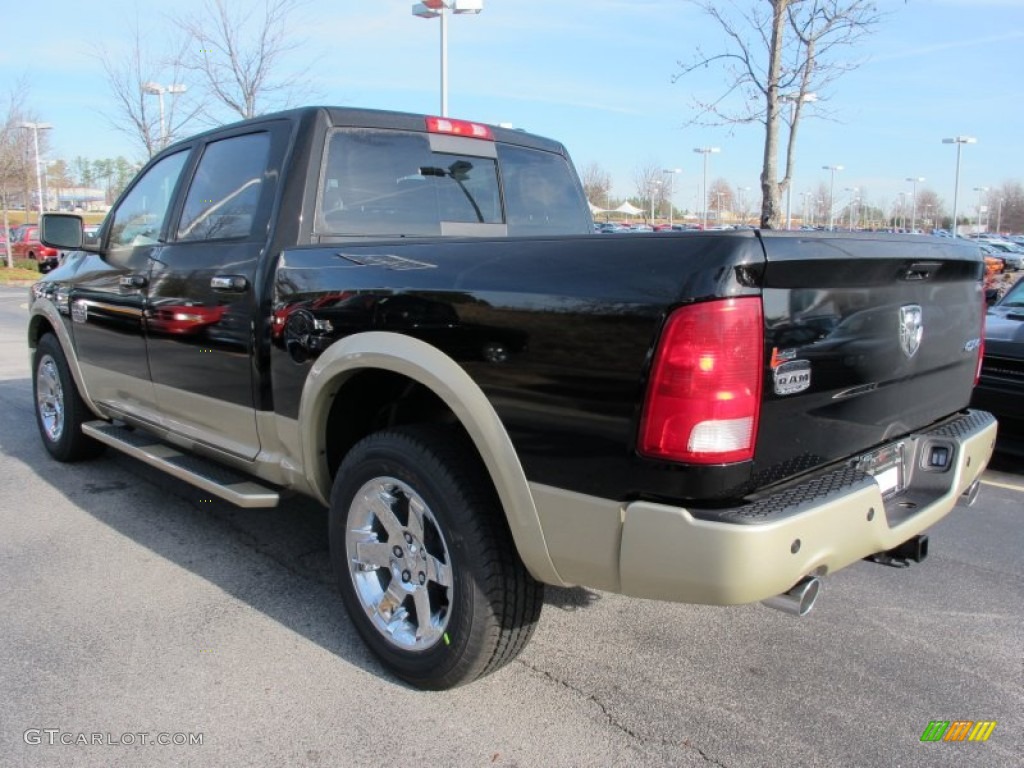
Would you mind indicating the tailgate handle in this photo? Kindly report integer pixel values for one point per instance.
(920, 270)
(132, 281)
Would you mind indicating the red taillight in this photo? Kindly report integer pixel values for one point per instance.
(704, 394)
(459, 128)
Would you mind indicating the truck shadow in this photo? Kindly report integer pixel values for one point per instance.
(235, 549)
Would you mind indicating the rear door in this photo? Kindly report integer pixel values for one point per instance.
(203, 307)
(867, 338)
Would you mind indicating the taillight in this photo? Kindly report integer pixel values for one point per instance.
(704, 394)
(459, 128)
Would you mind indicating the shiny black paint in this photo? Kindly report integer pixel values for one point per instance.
(577, 316)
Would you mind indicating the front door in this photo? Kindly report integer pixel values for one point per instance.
(108, 294)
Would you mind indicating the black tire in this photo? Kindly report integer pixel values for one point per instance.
(60, 410)
(485, 614)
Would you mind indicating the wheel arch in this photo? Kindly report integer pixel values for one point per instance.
(379, 361)
(45, 318)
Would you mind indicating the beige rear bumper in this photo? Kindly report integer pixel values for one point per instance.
(664, 552)
(668, 554)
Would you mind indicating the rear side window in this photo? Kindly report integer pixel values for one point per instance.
(391, 183)
(542, 196)
(224, 195)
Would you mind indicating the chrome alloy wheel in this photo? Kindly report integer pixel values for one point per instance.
(399, 563)
(50, 398)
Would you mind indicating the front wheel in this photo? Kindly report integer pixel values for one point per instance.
(60, 410)
(424, 559)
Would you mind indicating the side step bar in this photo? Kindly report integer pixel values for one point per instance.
(203, 473)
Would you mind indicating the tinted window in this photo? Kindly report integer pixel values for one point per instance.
(139, 218)
(225, 194)
(390, 183)
(541, 194)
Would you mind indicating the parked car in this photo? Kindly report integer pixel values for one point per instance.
(25, 245)
(1000, 388)
(1011, 253)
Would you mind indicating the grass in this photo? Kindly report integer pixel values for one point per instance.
(19, 273)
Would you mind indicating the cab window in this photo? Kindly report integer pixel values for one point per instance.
(139, 219)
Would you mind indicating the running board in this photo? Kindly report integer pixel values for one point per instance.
(203, 473)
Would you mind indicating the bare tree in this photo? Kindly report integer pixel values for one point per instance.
(597, 184)
(650, 189)
(238, 49)
(14, 155)
(720, 198)
(778, 53)
(133, 78)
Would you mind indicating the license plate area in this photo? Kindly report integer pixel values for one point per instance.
(888, 467)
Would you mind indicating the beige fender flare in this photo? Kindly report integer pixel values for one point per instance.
(44, 308)
(433, 369)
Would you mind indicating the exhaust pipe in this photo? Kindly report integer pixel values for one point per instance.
(968, 497)
(799, 600)
(913, 549)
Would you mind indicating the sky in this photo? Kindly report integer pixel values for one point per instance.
(596, 75)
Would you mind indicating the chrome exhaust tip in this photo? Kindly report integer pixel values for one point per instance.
(968, 497)
(799, 600)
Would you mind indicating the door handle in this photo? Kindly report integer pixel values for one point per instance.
(235, 283)
(132, 281)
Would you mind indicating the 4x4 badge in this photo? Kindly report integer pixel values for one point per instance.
(911, 329)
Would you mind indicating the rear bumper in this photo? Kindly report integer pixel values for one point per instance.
(815, 527)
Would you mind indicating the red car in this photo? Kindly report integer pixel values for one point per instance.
(25, 245)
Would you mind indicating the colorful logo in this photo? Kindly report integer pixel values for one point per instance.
(958, 730)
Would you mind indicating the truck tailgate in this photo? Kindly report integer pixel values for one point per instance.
(867, 337)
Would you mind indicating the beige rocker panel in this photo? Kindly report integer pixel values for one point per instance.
(445, 378)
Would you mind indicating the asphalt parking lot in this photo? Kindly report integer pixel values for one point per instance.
(133, 608)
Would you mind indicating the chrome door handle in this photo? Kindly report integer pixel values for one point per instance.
(228, 283)
(132, 281)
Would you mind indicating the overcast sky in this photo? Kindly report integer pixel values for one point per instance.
(596, 75)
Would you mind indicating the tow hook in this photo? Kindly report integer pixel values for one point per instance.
(913, 549)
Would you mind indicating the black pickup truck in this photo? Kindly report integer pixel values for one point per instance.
(411, 320)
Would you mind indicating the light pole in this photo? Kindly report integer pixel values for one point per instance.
(981, 191)
(430, 9)
(831, 195)
(793, 99)
(999, 216)
(959, 141)
(704, 189)
(36, 128)
(155, 89)
(671, 173)
(652, 187)
(913, 205)
(718, 195)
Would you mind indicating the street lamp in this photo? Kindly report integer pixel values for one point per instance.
(913, 206)
(155, 89)
(999, 216)
(981, 191)
(671, 173)
(831, 196)
(430, 9)
(36, 128)
(794, 99)
(651, 188)
(959, 141)
(704, 191)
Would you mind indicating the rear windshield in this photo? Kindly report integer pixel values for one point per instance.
(391, 183)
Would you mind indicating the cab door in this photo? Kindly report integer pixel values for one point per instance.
(203, 310)
(108, 294)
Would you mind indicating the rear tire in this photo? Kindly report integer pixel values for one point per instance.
(424, 559)
(60, 410)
